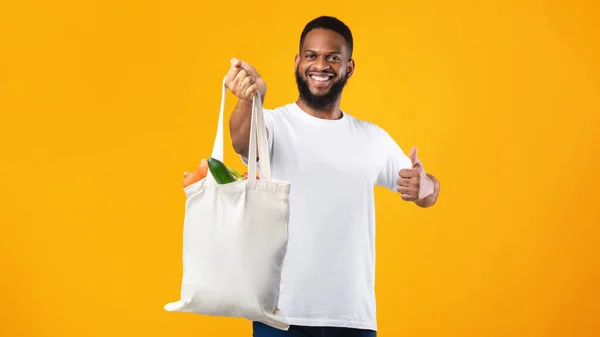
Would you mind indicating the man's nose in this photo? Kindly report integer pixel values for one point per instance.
(321, 63)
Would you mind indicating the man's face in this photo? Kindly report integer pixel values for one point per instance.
(322, 68)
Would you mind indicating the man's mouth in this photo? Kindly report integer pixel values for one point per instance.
(321, 79)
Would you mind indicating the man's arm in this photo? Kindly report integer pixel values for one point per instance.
(405, 174)
(239, 126)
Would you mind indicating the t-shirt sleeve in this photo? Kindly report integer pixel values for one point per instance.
(269, 125)
(393, 160)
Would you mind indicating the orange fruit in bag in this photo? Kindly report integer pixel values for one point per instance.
(193, 177)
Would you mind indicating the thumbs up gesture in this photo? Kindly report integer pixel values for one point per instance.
(414, 184)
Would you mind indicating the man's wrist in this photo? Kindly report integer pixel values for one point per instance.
(431, 196)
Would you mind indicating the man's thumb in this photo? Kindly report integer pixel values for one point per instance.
(235, 62)
(413, 156)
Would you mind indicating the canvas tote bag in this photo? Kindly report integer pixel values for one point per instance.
(235, 237)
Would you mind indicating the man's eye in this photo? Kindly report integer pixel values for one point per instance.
(310, 56)
(334, 58)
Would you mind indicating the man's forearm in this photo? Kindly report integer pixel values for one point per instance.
(239, 126)
(431, 199)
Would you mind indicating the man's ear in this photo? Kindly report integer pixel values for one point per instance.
(351, 67)
(296, 61)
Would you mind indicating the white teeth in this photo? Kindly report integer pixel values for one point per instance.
(320, 78)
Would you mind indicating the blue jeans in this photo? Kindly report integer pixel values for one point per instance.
(262, 330)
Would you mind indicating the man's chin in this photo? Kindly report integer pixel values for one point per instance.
(319, 91)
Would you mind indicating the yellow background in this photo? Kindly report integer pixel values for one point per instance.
(104, 104)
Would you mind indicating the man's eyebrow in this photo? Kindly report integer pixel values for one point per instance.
(330, 53)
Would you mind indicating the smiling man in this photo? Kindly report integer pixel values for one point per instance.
(333, 161)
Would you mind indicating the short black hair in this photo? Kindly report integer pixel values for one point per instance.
(331, 23)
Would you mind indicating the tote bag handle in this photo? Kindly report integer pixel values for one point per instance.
(258, 134)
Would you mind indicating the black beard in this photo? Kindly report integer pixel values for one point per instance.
(319, 102)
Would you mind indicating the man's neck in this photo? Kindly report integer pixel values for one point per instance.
(332, 111)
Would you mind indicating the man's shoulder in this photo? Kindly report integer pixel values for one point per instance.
(365, 125)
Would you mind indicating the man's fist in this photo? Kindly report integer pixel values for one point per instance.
(243, 80)
(414, 184)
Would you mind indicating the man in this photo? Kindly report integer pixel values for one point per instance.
(333, 162)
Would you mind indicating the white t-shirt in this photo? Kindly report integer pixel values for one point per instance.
(328, 277)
